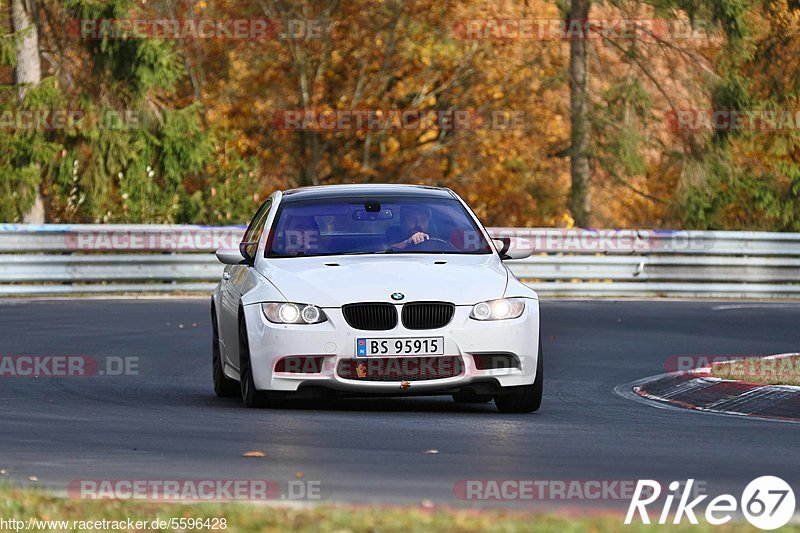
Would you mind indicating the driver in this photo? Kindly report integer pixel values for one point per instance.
(302, 235)
(414, 222)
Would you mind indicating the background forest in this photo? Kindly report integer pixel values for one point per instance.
(187, 130)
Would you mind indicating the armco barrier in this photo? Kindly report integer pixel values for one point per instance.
(51, 259)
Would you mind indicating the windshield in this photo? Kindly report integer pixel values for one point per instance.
(374, 225)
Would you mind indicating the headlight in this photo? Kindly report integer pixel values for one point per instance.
(502, 309)
(291, 313)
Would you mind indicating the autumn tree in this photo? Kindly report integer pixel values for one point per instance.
(20, 165)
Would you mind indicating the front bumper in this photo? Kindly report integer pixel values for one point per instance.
(336, 341)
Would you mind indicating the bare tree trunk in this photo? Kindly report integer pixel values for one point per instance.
(580, 194)
(27, 73)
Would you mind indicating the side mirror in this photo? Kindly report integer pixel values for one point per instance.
(513, 248)
(230, 256)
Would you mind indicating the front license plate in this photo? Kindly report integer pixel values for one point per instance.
(408, 346)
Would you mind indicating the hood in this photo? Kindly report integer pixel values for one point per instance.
(333, 281)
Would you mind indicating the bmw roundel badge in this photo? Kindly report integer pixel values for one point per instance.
(397, 296)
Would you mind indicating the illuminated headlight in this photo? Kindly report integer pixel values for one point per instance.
(291, 313)
(503, 309)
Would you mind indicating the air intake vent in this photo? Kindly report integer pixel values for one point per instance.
(371, 317)
(400, 368)
(495, 361)
(427, 315)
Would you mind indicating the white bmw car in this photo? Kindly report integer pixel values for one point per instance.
(374, 290)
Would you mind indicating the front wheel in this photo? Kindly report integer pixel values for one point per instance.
(525, 399)
(250, 396)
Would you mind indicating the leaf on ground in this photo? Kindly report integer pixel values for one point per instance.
(254, 454)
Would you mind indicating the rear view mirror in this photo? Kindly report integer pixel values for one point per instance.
(363, 214)
(229, 256)
(513, 247)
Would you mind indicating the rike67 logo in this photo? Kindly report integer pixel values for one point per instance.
(767, 503)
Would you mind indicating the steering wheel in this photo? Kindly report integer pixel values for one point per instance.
(425, 245)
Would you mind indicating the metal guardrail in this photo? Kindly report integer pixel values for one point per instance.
(40, 260)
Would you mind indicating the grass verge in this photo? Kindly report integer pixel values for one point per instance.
(25, 505)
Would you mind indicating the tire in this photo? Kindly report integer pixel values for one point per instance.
(527, 398)
(472, 398)
(224, 387)
(250, 396)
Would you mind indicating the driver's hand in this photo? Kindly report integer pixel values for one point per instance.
(418, 238)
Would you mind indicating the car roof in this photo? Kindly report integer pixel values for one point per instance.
(349, 190)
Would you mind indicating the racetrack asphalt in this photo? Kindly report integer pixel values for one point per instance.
(165, 423)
